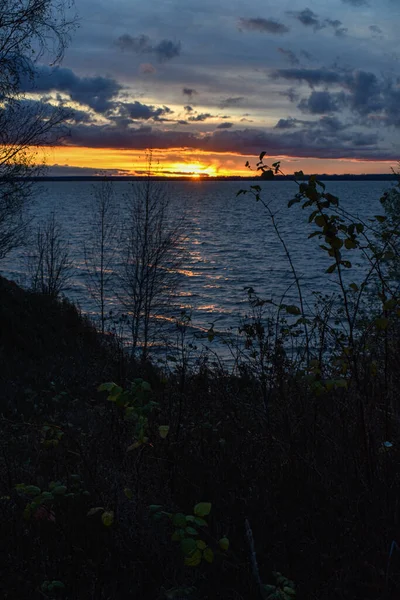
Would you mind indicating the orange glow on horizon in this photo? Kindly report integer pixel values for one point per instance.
(197, 163)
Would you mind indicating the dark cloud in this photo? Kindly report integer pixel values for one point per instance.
(322, 102)
(164, 50)
(233, 101)
(308, 18)
(376, 31)
(337, 26)
(286, 123)
(311, 76)
(57, 170)
(373, 99)
(188, 92)
(97, 92)
(225, 125)
(263, 25)
(188, 109)
(290, 56)
(331, 123)
(201, 117)
(138, 111)
(366, 93)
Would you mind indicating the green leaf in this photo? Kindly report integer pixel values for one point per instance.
(200, 522)
(202, 509)
(163, 430)
(155, 507)
(331, 268)
(32, 490)
(320, 221)
(107, 518)
(350, 244)
(60, 490)
(354, 287)
(191, 531)
(346, 263)
(224, 543)
(179, 520)
(208, 555)
(201, 544)
(188, 545)
(380, 218)
(293, 201)
(267, 590)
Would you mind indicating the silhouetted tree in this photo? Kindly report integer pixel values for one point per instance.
(29, 30)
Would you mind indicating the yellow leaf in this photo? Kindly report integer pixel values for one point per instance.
(194, 559)
(107, 518)
(163, 431)
(224, 543)
(128, 493)
(208, 555)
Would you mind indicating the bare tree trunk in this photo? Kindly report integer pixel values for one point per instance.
(152, 256)
(100, 250)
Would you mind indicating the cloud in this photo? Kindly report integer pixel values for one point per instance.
(200, 117)
(322, 102)
(97, 92)
(290, 55)
(225, 125)
(232, 101)
(376, 31)
(263, 25)
(308, 18)
(324, 138)
(164, 50)
(311, 76)
(337, 25)
(375, 100)
(138, 111)
(57, 170)
(291, 94)
(289, 123)
(189, 92)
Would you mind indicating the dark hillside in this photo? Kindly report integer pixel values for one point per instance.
(318, 487)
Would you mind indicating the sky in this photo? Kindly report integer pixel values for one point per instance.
(209, 85)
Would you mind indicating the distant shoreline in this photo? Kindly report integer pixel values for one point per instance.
(322, 177)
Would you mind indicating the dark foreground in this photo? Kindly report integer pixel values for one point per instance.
(314, 482)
